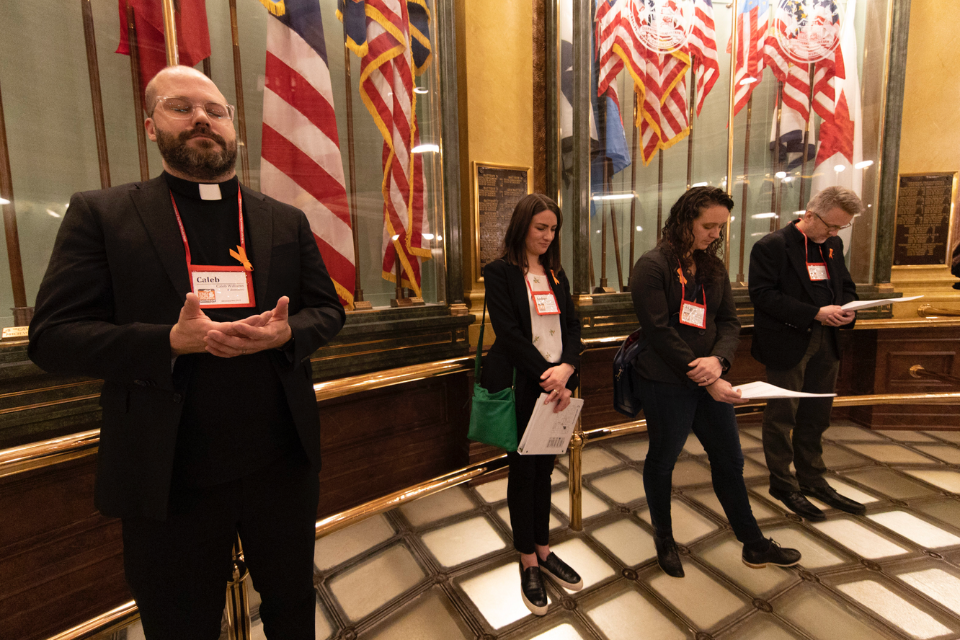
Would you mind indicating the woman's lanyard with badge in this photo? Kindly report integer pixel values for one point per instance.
(219, 286)
(545, 302)
(691, 313)
(816, 270)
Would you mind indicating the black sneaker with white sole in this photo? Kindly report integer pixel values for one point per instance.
(532, 590)
(560, 572)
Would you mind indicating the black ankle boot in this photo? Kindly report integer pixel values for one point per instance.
(668, 556)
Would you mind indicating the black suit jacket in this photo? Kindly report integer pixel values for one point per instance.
(668, 345)
(114, 288)
(506, 294)
(783, 296)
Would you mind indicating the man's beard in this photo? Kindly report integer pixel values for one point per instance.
(205, 162)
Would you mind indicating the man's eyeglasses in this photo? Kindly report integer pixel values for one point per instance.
(833, 227)
(182, 109)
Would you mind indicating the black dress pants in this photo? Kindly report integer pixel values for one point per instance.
(528, 500)
(178, 569)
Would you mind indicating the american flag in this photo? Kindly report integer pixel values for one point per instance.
(795, 77)
(300, 160)
(751, 37)
(659, 78)
(703, 50)
(839, 132)
(394, 45)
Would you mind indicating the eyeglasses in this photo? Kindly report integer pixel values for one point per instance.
(833, 227)
(182, 109)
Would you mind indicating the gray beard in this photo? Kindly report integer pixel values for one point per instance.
(205, 163)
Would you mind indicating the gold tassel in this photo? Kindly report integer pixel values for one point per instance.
(276, 7)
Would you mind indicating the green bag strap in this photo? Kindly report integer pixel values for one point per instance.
(476, 365)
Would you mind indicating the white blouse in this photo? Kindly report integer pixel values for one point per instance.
(546, 329)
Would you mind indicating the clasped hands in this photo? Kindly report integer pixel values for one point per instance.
(554, 381)
(706, 372)
(835, 316)
(197, 333)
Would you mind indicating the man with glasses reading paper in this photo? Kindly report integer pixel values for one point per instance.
(198, 302)
(798, 284)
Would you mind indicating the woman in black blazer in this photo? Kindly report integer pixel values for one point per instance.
(544, 347)
(681, 293)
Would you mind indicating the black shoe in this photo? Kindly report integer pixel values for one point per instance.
(828, 495)
(668, 556)
(532, 591)
(561, 572)
(773, 554)
(798, 504)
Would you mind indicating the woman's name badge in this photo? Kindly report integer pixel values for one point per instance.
(546, 303)
(218, 286)
(818, 271)
(693, 314)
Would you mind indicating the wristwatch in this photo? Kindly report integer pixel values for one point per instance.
(723, 363)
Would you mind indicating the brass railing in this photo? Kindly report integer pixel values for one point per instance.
(917, 371)
(127, 613)
(928, 311)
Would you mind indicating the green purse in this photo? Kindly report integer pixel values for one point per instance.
(493, 416)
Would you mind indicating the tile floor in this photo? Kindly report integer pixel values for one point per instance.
(443, 567)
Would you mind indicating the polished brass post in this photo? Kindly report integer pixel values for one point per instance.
(575, 479)
(170, 33)
(238, 604)
(731, 107)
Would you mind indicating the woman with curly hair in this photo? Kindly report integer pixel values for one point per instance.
(683, 300)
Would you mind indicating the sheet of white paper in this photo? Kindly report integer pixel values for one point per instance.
(867, 304)
(549, 433)
(766, 391)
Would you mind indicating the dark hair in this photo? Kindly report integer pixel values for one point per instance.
(514, 241)
(677, 238)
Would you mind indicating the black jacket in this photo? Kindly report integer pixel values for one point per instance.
(114, 288)
(506, 294)
(783, 296)
(668, 345)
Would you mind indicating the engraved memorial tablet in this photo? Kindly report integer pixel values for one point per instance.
(924, 215)
(497, 190)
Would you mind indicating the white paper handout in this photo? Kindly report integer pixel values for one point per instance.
(766, 391)
(549, 433)
(869, 304)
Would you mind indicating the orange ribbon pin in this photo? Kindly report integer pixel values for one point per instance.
(555, 281)
(831, 253)
(680, 275)
(242, 257)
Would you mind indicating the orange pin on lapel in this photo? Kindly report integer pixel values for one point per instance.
(831, 253)
(241, 257)
(680, 275)
(555, 281)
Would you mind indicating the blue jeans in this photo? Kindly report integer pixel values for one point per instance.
(672, 410)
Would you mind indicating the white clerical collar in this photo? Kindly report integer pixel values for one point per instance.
(210, 192)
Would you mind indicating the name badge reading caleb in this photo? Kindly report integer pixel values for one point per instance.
(218, 286)
(545, 301)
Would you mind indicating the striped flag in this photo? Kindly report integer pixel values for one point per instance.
(839, 133)
(794, 76)
(703, 50)
(394, 45)
(300, 160)
(751, 38)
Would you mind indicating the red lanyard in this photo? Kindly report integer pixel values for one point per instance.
(814, 265)
(683, 291)
(691, 313)
(183, 232)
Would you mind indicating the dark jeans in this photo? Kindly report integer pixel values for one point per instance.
(807, 419)
(178, 569)
(528, 498)
(672, 410)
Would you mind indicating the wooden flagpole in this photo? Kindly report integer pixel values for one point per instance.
(93, 69)
(608, 179)
(21, 313)
(659, 193)
(806, 141)
(206, 64)
(775, 182)
(138, 106)
(693, 96)
(601, 115)
(746, 184)
(238, 82)
(359, 304)
(633, 178)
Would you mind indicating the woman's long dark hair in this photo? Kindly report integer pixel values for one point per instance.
(514, 241)
(677, 238)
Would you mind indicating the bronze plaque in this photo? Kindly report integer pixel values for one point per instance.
(924, 220)
(497, 189)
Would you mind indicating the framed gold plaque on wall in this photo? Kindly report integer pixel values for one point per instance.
(496, 190)
(924, 232)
